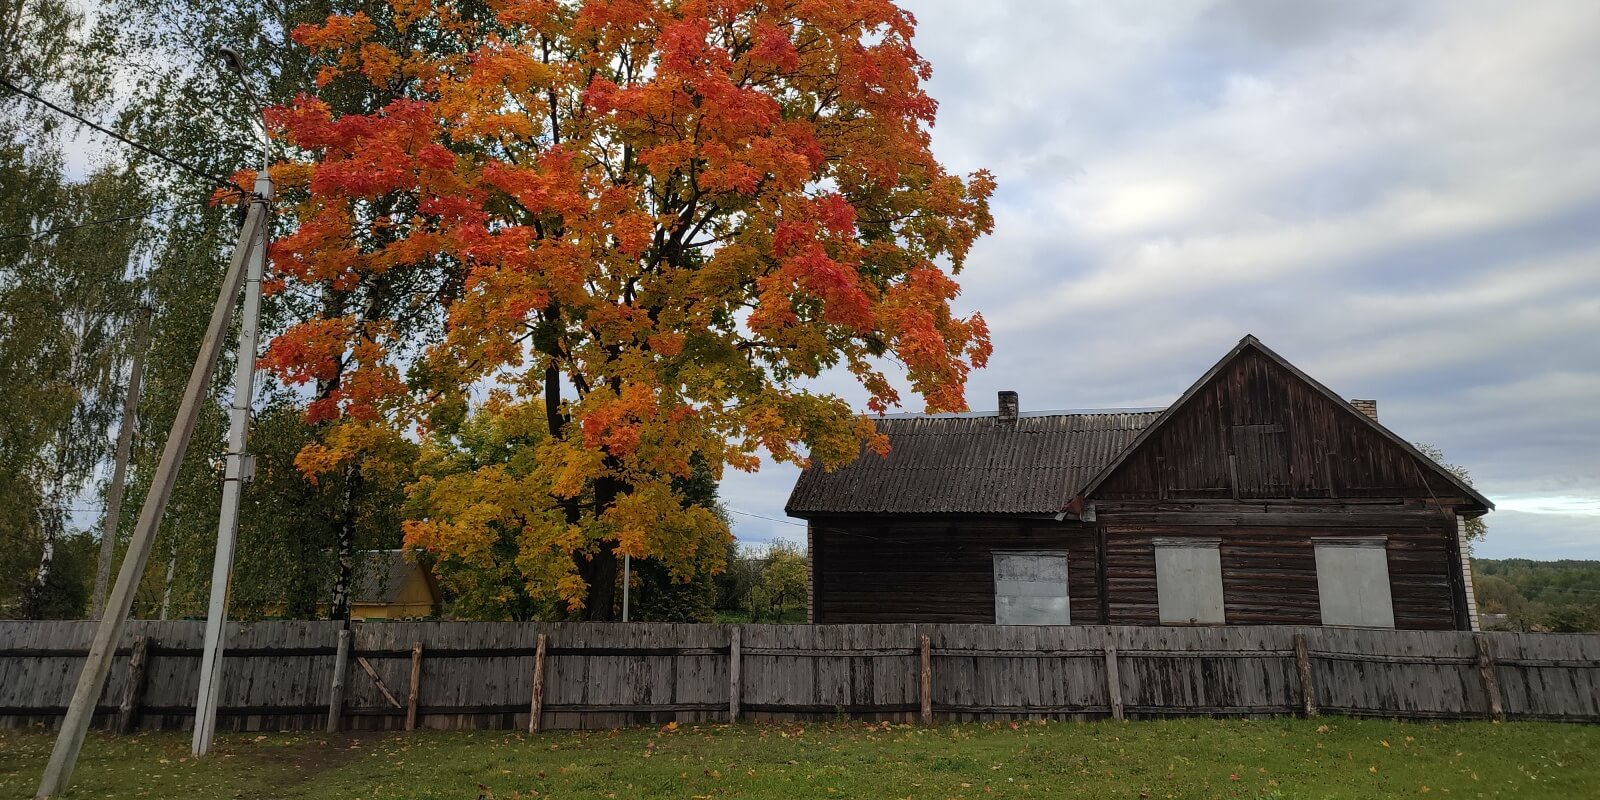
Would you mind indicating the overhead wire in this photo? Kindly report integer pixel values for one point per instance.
(129, 218)
(823, 528)
(141, 147)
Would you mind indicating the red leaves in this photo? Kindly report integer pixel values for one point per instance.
(308, 351)
(684, 208)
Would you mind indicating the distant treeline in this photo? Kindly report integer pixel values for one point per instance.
(1556, 596)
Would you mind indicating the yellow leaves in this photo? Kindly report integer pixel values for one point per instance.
(315, 459)
(378, 63)
(684, 244)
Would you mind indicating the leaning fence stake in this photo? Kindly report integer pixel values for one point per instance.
(1491, 682)
(366, 666)
(734, 687)
(536, 707)
(341, 665)
(1113, 683)
(926, 684)
(416, 679)
(1302, 662)
(133, 690)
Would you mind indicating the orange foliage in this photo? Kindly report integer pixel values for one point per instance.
(686, 209)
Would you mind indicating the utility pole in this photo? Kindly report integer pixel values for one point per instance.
(119, 470)
(250, 249)
(240, 465)
(92, 680)
(239, 468)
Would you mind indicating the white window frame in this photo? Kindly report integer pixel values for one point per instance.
(1189, 581)
(1346, 597)
(1004, 600)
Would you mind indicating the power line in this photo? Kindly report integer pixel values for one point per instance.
(131, 217)
(769, 519)
(196, 171)
(822, 528)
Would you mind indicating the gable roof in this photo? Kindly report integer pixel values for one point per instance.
(973, 464)
(1247, 344)
(380, 575)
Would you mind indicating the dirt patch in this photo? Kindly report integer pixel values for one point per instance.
(284, 766)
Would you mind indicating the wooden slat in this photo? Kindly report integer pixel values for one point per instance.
(133, 689)
(1113, 682)
(336, 686)
(1302, 661)
(648, 674)
(734, 687)
(926, 681)
(415, 684)
(1491, 684)
(536, 705)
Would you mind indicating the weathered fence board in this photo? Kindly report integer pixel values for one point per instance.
(278, 675)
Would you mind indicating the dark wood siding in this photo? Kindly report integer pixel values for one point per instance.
(885, 569)
(1257, 431)
(1256, 457)
(1269, 571)
(1264, 462)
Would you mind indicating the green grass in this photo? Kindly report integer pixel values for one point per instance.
(1286, 758)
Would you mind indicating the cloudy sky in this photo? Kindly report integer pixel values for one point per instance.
(1401, 198)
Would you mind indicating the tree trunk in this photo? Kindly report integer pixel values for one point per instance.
(112, 521)
(344, 584)
(35, 599)
(166, 587)
(599, 570)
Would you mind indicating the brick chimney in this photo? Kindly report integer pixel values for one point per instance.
(1368, 407)
(1008, 407)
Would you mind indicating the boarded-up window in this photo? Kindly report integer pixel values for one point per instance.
(1030, 588)
(1353, 582)
(1189, 581)
(1261, 461)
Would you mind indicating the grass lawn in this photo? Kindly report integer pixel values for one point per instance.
(1287, 758)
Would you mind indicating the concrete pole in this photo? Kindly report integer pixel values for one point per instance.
(92, 680)
(112, 520)
(234, 477)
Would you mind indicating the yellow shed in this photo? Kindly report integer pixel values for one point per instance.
(390, 584)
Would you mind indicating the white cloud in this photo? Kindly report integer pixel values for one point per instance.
(1401, 198)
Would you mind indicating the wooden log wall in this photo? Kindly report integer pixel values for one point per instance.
(937, 570)
(278, 675)
(1269, 567)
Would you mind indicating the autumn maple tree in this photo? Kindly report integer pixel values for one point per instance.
(653, 223)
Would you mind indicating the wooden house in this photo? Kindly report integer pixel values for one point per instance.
(1258, 497)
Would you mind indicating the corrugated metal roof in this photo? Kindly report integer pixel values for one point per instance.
(973, 464)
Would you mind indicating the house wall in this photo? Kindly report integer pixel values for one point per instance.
(940, 569)
(414, 600)
(1257, 458)
(1269, 568)
(1256, 431)
(1264, 462)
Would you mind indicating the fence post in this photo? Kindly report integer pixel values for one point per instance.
(1302, 662)
(416, 680)
(133, 691)
(926, 682)
(1113, 683)
(1491, 682)
(341, 665)
(735, 687)
(536, 706)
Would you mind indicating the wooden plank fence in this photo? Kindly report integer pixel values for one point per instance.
(445, 675)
